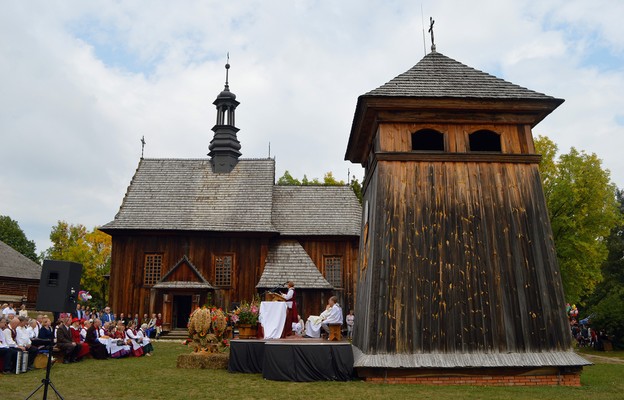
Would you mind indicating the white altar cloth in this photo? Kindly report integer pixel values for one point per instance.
(273, 317)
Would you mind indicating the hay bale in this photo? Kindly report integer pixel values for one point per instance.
(203, 360)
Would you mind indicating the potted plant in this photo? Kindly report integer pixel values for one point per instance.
(246, 318)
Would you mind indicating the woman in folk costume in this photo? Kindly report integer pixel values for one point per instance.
(75, 332)
(291, 314)
(145, 340)
(120, 347)
(135, 341)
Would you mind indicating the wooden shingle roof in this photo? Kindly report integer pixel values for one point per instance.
(316, 210)
(438, 87)
(288, 261)
(185, 194)
(14, 264)
(437, 75)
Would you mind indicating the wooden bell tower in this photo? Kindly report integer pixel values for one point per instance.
(458, 272)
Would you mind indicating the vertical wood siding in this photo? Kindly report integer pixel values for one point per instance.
(459, 258)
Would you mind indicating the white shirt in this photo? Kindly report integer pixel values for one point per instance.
(32, 332)
(334, 316)
(8, 338)
(3, 342)
(289, 296)
(23, 337)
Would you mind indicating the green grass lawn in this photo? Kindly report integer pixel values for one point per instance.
(158, 378)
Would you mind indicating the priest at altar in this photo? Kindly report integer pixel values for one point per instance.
(331, 315)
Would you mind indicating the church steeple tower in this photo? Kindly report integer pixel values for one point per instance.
(224, 146)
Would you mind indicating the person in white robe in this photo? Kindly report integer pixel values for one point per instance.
(331, 315)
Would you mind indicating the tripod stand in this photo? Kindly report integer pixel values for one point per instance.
(47, 382)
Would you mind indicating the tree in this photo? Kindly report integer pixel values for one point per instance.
(583, 209)
(14, 236)
(328, 180)
(356, 186)
(606, 304)
(288, 180)
(92, 249)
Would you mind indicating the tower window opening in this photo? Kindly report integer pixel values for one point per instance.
(485, 140)
(428, 140)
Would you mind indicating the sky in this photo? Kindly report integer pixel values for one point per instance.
(82, 82)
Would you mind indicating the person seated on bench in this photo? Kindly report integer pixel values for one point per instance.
(331, 315)
(65, 340)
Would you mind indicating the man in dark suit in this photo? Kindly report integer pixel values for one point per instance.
(65, 341)
(98, 350)
(78, 313)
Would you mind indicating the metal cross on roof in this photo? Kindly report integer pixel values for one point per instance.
(142, 145)
(431, 22)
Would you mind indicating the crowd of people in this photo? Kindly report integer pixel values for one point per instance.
(583, 333)
(84, 332)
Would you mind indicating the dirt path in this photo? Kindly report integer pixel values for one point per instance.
(602, 359)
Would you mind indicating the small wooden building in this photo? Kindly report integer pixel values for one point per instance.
(19, 277)
(458, 273)
(219, 228)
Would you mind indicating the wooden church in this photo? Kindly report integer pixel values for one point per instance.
(218, 229)
(458, 276)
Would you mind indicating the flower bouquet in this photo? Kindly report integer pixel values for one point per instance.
(246, 318)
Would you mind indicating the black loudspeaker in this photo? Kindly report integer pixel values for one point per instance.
(59, 286)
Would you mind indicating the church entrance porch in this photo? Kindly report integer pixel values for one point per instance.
(182, 307)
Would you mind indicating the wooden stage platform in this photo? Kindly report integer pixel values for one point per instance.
(296, 360)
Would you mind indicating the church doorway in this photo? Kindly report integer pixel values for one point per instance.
(181, 310)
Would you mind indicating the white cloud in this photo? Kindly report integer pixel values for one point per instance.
(83, 81)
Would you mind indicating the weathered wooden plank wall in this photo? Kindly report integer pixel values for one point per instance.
(128, 293)
(460, 259)
(396, 137)
(348, 250)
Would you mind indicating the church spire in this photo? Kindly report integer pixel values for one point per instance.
(225, 147)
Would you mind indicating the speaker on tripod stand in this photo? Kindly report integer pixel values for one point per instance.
(58, 290)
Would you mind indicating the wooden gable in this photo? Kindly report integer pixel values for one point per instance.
(183, 272)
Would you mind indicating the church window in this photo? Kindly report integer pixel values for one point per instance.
(333, 270)
(485, 140)
(428, 140)
(152, 268)
(223, 270)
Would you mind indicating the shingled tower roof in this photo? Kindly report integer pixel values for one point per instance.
(437, 75)
(438, 84)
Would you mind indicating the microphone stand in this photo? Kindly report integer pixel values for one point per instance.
(47, 382)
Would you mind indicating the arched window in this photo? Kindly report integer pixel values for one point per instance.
(485, 140)
(428, 139)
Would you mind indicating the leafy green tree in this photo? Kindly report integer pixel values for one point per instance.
(328, 180)
(606, 304)
(288, 180)
(14, 236)
(356, 186)
(583, 209)
(90, 248)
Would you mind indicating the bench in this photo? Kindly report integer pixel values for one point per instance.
(335, 333)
